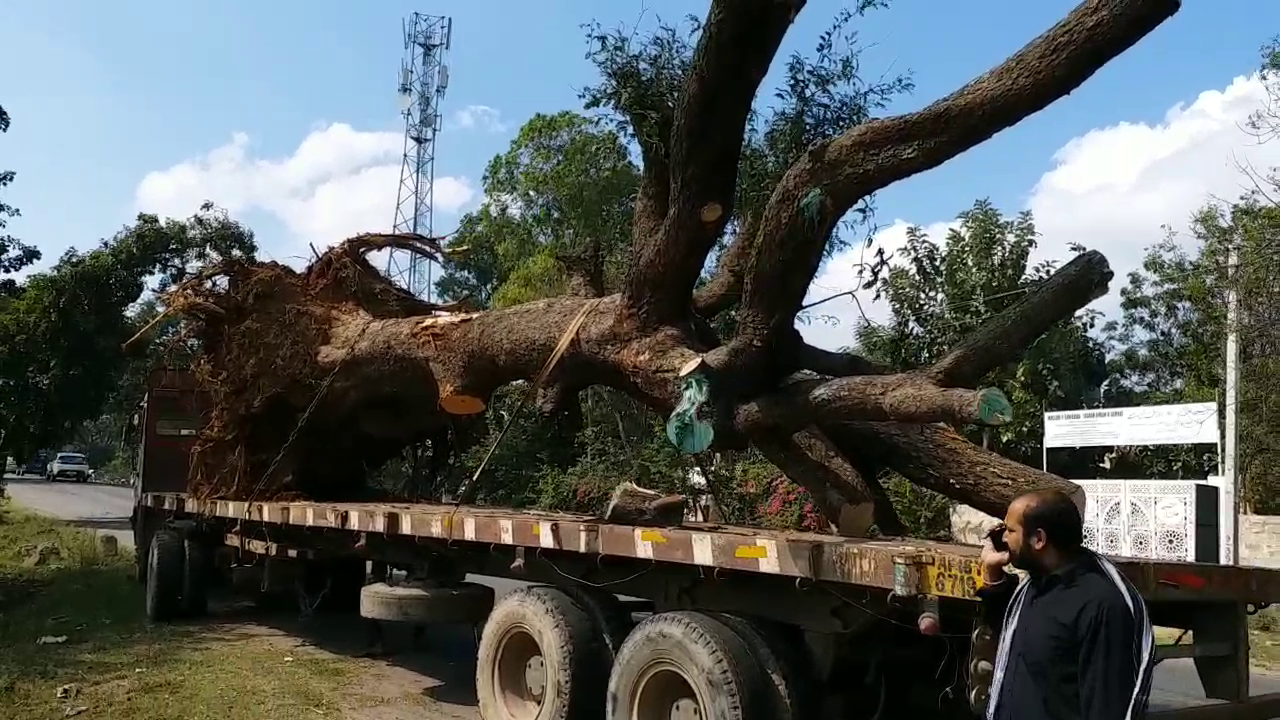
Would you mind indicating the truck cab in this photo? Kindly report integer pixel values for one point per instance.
(165, 429)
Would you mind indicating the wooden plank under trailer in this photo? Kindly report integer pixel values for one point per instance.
(904, 566)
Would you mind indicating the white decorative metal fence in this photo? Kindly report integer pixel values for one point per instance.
(1155, 519)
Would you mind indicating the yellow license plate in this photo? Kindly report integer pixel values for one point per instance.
(953, 577)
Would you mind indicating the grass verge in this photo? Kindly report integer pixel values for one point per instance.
(100, 659)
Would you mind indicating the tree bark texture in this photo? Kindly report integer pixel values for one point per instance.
(322, 375)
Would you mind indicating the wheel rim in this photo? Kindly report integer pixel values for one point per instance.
(664, 692)
(520, 674)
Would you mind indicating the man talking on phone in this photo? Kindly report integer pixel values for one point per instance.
(1075, 642)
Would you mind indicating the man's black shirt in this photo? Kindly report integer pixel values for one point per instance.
(1073, 656)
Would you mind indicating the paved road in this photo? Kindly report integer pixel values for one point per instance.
(106, 508)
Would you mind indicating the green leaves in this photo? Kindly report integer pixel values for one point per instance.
(61, 332)
(558, 206)
(14, 254)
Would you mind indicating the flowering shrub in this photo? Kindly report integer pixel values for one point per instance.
(790, 507)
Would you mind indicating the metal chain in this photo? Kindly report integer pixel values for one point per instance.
(315, 401)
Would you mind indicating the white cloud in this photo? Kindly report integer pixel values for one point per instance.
(1111, 189)
(481, 117)
(339, 182)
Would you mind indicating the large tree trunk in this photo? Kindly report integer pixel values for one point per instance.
(319, 376)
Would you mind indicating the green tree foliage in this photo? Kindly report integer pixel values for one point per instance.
(61, 335)
(939, 291)
(1168, 344)
(557, 210)
(14, 254)
(821, 95)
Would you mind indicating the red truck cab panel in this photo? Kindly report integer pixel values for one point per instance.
(173, 414)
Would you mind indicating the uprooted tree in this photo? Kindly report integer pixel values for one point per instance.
(321, 374)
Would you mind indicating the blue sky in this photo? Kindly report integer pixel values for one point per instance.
(102, 94)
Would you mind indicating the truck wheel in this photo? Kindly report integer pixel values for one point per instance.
(686, 664)
(542, 657)
(781, 664)
(612, 618)
(165, 571)
(464, 602)
(197, 565)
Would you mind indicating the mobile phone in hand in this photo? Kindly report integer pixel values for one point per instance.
(996, 536)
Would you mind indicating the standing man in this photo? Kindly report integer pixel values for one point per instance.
(1075, 642)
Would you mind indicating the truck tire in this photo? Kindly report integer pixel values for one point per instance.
(612, 618)
(689, 664)
(197, 566)
(542, 657)
(464, 602)
(165, 572)
(781, 665)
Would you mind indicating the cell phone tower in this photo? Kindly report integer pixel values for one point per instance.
(424, 77)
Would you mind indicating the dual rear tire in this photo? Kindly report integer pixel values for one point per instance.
(687, 665)
(565, 654)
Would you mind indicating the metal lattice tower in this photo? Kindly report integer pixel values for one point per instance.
(424, 77)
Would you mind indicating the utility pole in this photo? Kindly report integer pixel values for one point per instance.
(1231, 392)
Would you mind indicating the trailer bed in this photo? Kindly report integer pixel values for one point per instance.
(904, 566)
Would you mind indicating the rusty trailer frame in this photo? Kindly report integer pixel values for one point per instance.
(903, 566)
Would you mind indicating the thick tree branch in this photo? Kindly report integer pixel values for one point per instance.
(724, 289)
(585, 269)
(886, 515)
(1004, 338)
(906, 397)
(336, 347)
(734, 52)
(939, 458)
(822, 186)
(837, 364)
(469, 356)
(809, 460)
(653, 135)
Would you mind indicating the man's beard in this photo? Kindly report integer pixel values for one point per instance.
(1023, 557)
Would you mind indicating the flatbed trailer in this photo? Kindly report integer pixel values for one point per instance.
(808, 625)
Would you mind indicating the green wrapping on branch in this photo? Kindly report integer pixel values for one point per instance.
(688, 432)
(994, 408)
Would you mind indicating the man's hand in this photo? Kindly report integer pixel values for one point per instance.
(991, 559)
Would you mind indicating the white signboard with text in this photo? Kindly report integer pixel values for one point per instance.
(1186, 424)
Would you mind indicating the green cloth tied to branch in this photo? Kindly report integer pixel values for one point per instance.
(688, 432)
(994, 409)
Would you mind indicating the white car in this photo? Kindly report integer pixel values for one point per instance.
(72, 466)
